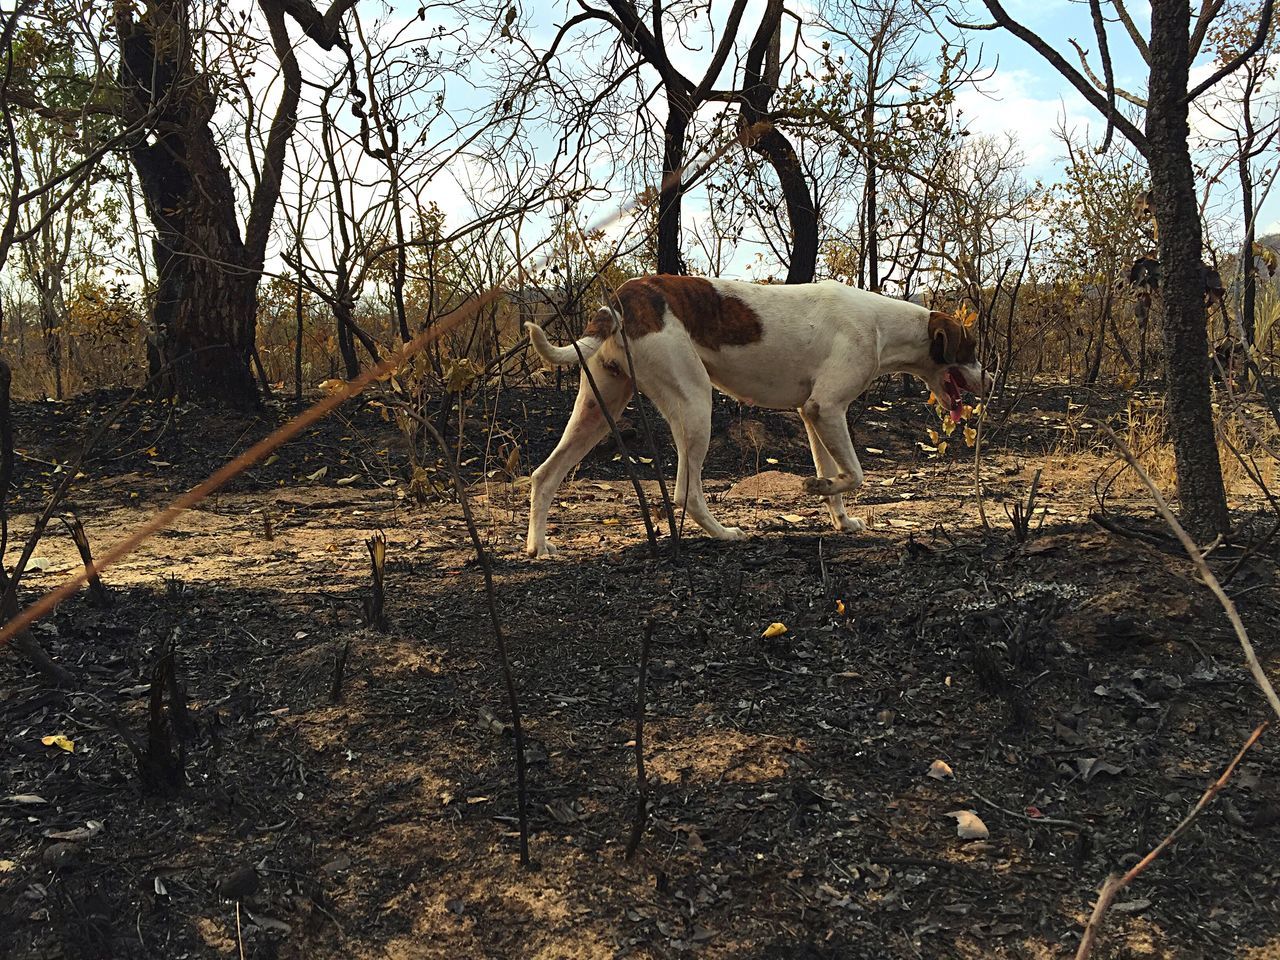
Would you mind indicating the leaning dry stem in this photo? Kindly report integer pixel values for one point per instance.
(1114, 884)
(1193, 551)
(504, 661)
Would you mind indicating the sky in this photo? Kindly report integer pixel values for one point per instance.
(1026, 96)
(1023, 96)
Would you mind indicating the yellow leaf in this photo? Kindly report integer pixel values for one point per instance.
(348, 481)
(977, 409)
(948, 426)
(59, 741)
(942, 449)
(933, 436)
(840, 607)
(970, 436)
(152, 452)
(271, 459)
(611, 521)
(774, 630)
(772, 460)
(319, 474)
(793, 518)
(459, 374)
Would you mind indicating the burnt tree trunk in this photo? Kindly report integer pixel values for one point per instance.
(1248, 263)
(761, 73)
(674, 133)
(206, 287)
(1188, 411)
(205, 308)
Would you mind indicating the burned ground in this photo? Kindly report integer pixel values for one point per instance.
(1082, 687)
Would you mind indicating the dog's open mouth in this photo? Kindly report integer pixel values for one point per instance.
(954, 384)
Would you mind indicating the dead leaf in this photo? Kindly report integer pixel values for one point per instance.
(1090, 767)
(90, 830)
(774, 630)
(348, 481)
(318, 474)
(26, 799)
(60, 741)
(940, 770)
(1131, 906)
(969, 825)
(793, 518)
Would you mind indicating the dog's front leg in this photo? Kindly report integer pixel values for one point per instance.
(826, 468)
(829, 423)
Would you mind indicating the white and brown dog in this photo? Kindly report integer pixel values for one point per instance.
(808, 347)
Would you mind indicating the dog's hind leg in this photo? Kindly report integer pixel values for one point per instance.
(832, 427)
(586, 427)
(826, 468)
(685, 402)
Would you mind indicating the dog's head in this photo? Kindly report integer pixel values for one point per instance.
(954, 369)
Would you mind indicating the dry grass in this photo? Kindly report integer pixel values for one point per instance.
(1246, 432)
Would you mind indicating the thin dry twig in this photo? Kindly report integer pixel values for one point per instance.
(1114, 884)
(1193, 551)
(504, 662)
(642, 784)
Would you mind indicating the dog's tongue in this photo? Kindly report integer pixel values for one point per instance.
(956, 407)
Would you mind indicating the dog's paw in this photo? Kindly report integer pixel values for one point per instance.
(733, 533)
(541, 551)
(850, 525)
(818, 485)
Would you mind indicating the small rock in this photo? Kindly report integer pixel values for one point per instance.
(337, 864)
(61, 856)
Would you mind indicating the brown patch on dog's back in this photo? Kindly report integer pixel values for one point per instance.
(712, 320)
(602, 325)
(643, 307)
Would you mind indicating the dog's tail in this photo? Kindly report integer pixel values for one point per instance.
(602, 326)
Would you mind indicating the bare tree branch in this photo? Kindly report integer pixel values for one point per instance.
(1236, 62)
(1071, 75)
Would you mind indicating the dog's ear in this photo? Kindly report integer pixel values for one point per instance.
(945, 337)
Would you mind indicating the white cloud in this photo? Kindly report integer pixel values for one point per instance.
(1011, 102)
